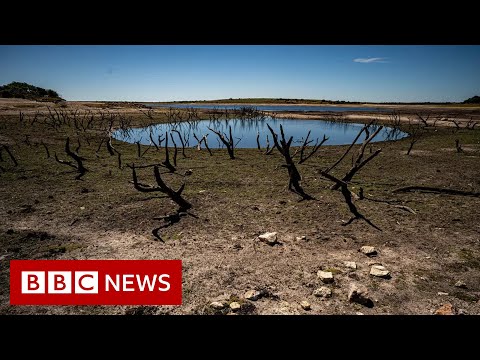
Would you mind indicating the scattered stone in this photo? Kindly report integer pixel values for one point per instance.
(217, 305)
(462, 312)
(359, 294)
(359, 313)
(428, 257)
(461, 284)
(300, 238)
(350, 264)
(374, 262)
(325, 276)
(305, 305)
(322, 292)
(379, 271)
(445, 309)
(269, 238)
(235, 306)
(202, 191)
(285, 308)
(441, 293)
(368, 250)
(423, 278)
(253, 295)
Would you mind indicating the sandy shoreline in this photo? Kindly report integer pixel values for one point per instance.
(407, 113)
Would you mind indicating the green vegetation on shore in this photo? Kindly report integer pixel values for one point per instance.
(26, 91)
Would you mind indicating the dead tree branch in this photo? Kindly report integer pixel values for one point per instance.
(175, 196)
(348, 199)
(360, 162)
(429, 189)
(228, 143)
(7, 149)
(167, 162)
(181, 141)
(314, 149)
(284, 148)
(79, 160)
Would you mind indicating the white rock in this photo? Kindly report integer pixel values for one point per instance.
(379, 271)
(217, 305)
(359, 293)
(461, 284)
(359, 313)
(305, 305)
(441, 293)
(269, 238)
(368, 250)
(235, 306)
(322, 292)
(325, 276)
(350, 264)
(300, 238)
(252, 295)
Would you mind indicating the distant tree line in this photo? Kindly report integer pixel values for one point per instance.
(27, 91)
(473, 100)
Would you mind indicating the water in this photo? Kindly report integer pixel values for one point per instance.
(274, 108)
(244, 132)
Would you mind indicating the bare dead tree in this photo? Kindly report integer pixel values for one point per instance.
(348, 150)
(470, 125)
(348, 199)
(35, 117)
(7, 149)
(167, 163)
(424, 118)
(139, 149)
(175, 152)
(152, 141)
(46, 150)
(79, 160)
(456, 123)
(160, 140)
(227, 142)
(205, 141)
(258, 141)
(360, 162)
(458, 146)
(416, 132)
(112, 150)
(284, 148)
(181, 140)
(430, 189)
(148, 113)
(269, 149)
(314, 149)
(176, 196)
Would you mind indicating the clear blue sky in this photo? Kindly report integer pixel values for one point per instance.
(169, 73)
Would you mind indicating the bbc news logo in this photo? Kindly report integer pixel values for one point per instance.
(95, 282)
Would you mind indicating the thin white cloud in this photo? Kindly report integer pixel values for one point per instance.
(370, 60)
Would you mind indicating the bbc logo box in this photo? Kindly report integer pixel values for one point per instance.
(95, 282)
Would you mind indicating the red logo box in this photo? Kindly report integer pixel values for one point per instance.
(95, 282)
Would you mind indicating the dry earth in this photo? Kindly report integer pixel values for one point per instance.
(46, 214)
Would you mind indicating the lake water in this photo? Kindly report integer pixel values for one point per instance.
(274, 108)
(245, 132)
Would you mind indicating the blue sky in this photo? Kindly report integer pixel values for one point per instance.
(169, 73)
